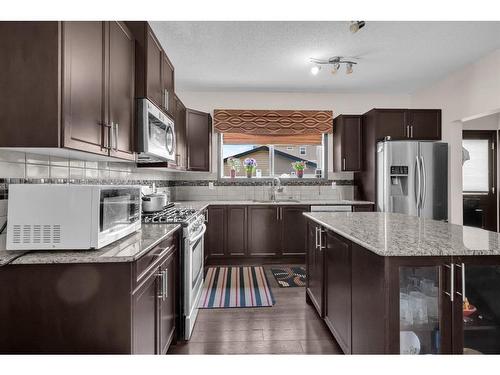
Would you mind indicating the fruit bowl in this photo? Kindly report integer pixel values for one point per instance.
(471, 310)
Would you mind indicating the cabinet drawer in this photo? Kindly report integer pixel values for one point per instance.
(146, 264)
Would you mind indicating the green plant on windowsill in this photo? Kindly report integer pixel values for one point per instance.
(234, 164)
(299, 167)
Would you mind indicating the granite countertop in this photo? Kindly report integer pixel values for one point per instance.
(203, 204)
(127, 249)
(389, 234)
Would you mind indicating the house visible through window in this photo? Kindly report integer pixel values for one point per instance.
(274, 155)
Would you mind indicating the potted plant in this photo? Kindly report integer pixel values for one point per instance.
(249, 164)
(299, 167)
(235, 164)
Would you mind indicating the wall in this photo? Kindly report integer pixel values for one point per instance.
(472, 91)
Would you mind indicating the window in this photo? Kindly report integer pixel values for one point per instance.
(272, 159)
(475, 165)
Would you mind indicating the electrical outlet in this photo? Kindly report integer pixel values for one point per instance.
(334, 184)
(211, 185)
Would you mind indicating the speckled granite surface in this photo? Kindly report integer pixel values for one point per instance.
(389, 234)
(127, 249)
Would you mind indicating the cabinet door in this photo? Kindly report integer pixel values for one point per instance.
(236, 239)
(180, 134)
(263, 230)
(293, 229)
(199, 139)
(338, 289)
(315, 268)
(347, 143)
(121, 90)
(425, 124)
(166, 316)
(216, 230)
(363, 208)
(167, 79)
(477, 306)
(391, 122)
(83, 86)
(144, 315)
(153, 68)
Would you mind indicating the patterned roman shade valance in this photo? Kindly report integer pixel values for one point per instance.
(273, 122)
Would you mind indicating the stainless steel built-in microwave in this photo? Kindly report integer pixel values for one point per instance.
(70, 217)
(156, 133)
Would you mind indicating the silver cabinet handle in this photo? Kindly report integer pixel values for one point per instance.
(166, 283)
(162, 285)
(462, 268)
(112, 135)
(116, 137)
(411, 131)
(407, 131)
(320, 231)
(316, 235)
(343, 164)
(451, 294)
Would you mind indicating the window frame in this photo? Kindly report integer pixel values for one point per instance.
(220, 164)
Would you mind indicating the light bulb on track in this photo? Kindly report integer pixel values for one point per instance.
(348, 69)
(315, 69)
(356, 25)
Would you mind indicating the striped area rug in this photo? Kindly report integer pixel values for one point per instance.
(235, 287)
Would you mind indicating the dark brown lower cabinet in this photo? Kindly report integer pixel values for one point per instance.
(91, 308)
(215, 242)
(338, 289)
(264, 230)
(315, 267)
(236, 234)
(363, 208)
(293, 233)
(403, 305)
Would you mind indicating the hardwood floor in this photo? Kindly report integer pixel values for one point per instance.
(291, 326)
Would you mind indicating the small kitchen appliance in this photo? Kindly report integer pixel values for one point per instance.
(70, 217)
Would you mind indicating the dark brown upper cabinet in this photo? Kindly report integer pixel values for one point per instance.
(424, 124)
(199, 140)
(347, 143)
(70, 85)
(154, 72)
(180, 136)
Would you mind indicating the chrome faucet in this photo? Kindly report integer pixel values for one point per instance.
(275, 188)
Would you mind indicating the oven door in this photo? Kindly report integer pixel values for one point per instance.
(119, 213)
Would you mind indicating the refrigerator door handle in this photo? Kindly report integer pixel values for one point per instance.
(418, 182)
(424, 182)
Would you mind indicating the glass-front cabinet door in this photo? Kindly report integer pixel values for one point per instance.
(423, 312)
(477, 311)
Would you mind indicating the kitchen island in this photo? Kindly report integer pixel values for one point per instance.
(392, 283)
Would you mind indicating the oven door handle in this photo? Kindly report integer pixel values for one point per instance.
(198, 236)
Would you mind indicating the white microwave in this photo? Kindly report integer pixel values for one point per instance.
(70, 217)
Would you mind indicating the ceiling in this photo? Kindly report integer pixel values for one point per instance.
(393, 57)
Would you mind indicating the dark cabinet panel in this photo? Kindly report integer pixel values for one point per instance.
(216, 231)
(199, 139)
(263, 230)
(83, 86)
(347, 143)
(236, 237)
(293, 229)
(167, 79)
(145, 317)
(391, 122)
(180, 134)
(167, 306)
(315, 268)
(338, 289)
(425, 124)
(121, 89)
(153, 68)
(363, 208)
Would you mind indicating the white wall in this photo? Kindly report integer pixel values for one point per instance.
(207, 101)
(471, 91)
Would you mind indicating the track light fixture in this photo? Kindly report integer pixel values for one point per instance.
(335, 62)
(356, 25)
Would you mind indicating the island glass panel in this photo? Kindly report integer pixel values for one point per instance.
(481, 309)
(419, 315)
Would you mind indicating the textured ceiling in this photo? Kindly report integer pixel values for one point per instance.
(394, 57)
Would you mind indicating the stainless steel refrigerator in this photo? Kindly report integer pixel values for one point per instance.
(412, 178)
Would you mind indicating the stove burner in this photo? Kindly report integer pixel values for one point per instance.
(169, 215)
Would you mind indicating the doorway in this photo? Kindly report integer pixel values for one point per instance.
(479, 160)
